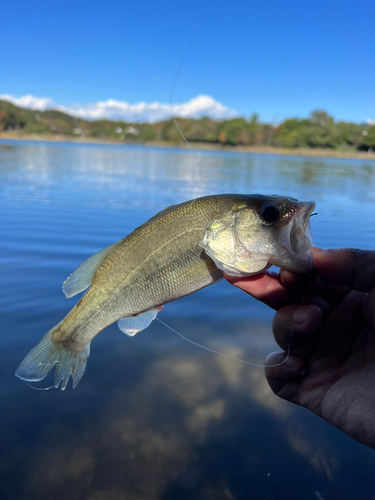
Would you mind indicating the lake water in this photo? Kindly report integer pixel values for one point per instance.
(155, 417)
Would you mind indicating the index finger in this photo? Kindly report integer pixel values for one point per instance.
(266, 287)
(348, 266)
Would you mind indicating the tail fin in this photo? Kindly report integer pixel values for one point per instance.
(46, 355)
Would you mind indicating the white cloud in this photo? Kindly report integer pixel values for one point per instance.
(202, 105)
(370, 121)
(29, 101)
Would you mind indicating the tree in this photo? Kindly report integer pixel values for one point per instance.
(349, 133)
(233, 131)
(321, 131)
(369, 138)
(292, 133)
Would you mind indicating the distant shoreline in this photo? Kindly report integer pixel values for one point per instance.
(320, 153)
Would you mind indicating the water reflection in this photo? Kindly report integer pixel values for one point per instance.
(183, 427)
(154, 417)
(163, 433)
(139, 176)
(320, 457)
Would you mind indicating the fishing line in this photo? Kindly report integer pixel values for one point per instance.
(218, 352)
(174, 118)
(287, 352)
(314, 274)
(39, 388)
(243, 360)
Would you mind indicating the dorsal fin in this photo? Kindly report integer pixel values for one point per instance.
(81, 278)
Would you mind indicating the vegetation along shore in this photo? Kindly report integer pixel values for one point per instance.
(317, 135)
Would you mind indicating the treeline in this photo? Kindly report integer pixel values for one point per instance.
(319, 130)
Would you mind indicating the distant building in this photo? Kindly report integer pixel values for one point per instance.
(79, 132)
(132, 130)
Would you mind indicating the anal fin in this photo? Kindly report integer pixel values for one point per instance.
(135, 324)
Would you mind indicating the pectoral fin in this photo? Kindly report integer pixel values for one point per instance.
(135, 324)
(81, 278)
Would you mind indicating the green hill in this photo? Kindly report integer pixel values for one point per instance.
(319, 130)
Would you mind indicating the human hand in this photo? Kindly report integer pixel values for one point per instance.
(329, 340)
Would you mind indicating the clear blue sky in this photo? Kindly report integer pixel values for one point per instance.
(278, 58)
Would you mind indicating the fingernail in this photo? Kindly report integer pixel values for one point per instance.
(300, 316)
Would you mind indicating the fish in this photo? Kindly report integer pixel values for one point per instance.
(180, 250)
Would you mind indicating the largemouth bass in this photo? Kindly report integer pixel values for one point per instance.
(180, 250)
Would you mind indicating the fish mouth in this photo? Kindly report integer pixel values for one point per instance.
(296, 240)
(300, 234)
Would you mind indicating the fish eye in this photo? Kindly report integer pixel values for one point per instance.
(270, 213)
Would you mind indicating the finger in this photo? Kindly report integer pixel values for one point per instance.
(298, 281)
(292, 327)
(311, 283)
(284, 379)
(266, 287)
(351, 267)
(369, 310)
(339, 331)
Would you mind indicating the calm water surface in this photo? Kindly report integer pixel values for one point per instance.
(155, 417)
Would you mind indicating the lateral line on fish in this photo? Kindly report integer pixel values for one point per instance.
(221, 353)
(128, 277)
